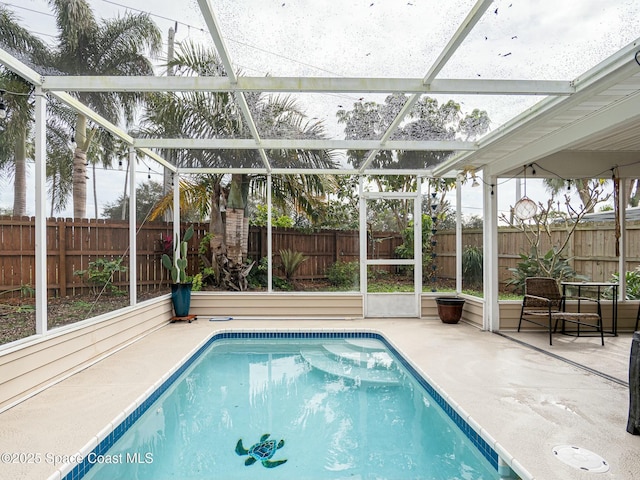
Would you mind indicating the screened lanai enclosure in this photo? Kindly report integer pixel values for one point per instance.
(381, 116)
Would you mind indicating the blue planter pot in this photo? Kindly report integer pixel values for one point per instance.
(181, 298)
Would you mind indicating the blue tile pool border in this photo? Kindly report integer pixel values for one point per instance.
(79, 470)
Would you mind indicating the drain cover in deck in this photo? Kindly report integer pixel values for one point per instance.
(580, 458)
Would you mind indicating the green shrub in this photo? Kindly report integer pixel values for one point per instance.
(344, 274)
(281, 284)
(258, 276)
(552, 264)
(197, 282)
(290, 262)
(379, 274)
(259, 218)
(100, 274)
(204, 277)
(632, 280)
(406, 249)
(472, 260)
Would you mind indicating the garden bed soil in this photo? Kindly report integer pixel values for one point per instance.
(18, 316)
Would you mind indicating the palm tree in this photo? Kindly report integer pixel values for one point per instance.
(216, 115)
(556, 185)
(59, 150)
(13, 141)
(122, 154)
(14, 147)
(633, 191)
(16, 143)
(114, 47)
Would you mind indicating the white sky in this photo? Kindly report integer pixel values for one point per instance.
(516, 39)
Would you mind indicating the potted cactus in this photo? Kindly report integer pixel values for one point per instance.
(181, 286)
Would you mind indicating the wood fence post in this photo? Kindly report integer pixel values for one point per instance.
(571, 247)
(263, 242)
(62, 255)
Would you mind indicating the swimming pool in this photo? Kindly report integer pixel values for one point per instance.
(335, 406)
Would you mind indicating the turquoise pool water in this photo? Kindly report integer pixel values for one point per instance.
(333, 409)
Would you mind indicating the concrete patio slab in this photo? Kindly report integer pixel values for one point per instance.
(527, 400)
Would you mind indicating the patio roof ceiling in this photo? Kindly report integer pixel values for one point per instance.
(583, 128)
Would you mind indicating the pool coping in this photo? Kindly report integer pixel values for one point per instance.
(493, 451)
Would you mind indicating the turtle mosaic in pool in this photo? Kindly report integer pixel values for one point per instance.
(262, 451)
(314, 405)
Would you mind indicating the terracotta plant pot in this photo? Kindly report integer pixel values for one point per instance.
(450, 309)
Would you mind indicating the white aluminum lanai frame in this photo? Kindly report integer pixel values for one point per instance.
(592, 117)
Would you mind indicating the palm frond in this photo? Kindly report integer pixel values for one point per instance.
(194, 195)
(77, 29)
(193, 59)
(16, 38)
(123, 44)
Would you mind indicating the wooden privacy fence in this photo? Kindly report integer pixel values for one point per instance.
(322, 248)
(591, 250)
(73, 244)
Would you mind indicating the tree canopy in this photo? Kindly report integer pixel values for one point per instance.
(147, 196)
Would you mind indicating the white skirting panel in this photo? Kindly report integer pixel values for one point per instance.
(392, 305)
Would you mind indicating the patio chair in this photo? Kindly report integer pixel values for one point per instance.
(635, 329)
(544, 305)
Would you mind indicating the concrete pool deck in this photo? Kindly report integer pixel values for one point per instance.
(528, 401)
